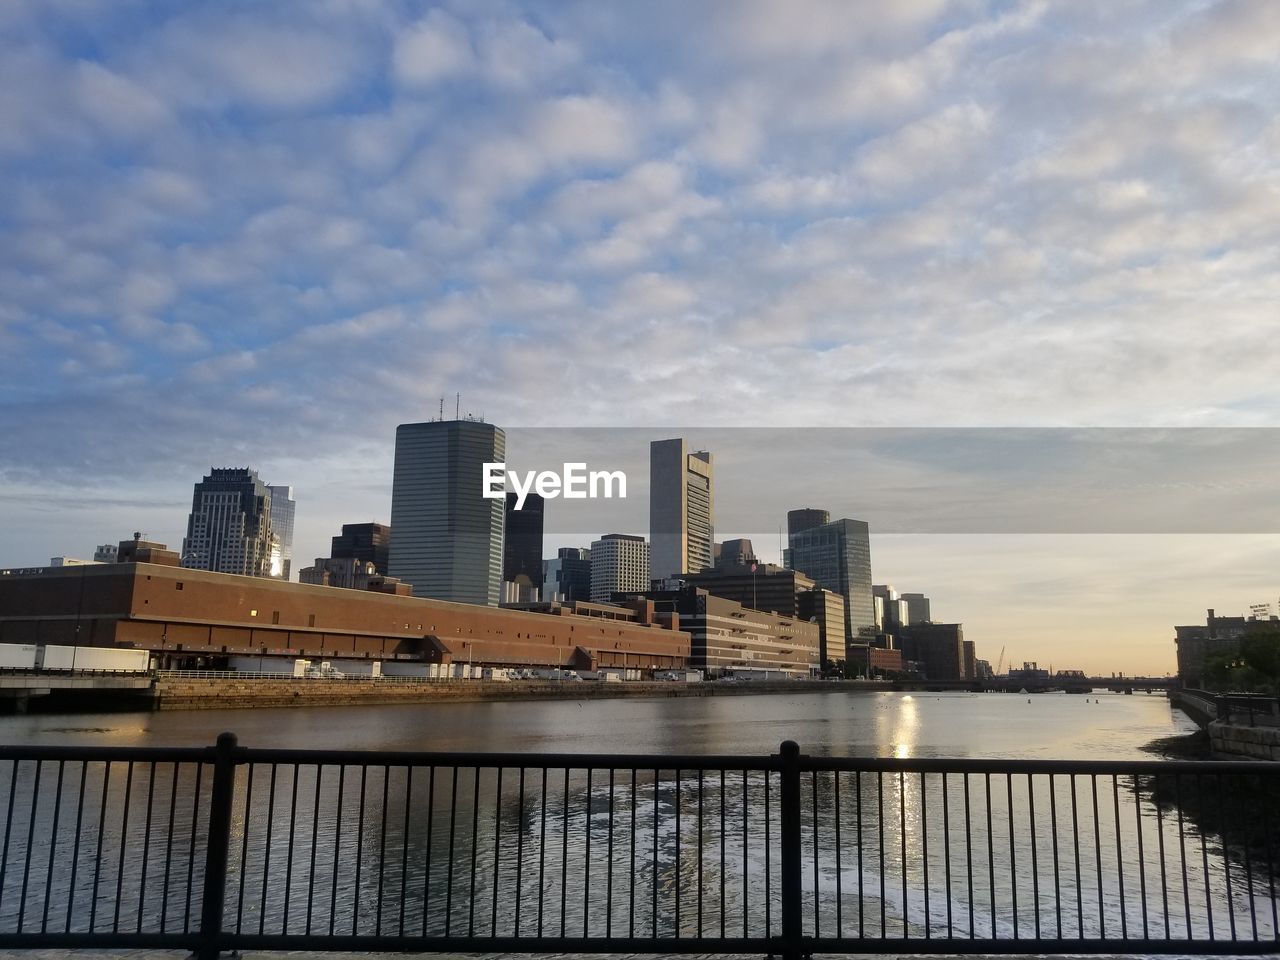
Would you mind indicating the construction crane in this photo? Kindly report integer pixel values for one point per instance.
(1000, 662)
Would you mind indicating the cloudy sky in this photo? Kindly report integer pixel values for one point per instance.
(265, 234)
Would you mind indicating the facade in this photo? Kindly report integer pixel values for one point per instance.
(70, 562)
(195, 618)
(229, 529)
(283, 507)
(1197, 642)
(892, 612)
(806, 518)
(369, 542)
(728, 638)
(826, 609)
(567, 575)
(735, 553)
(522, 547)
(938, 648)
(681, 509)
(868, 660)
(619, 564)
(106, 553)
(349, 573)
(448, 535)
(837, 556)
(768, 587)
(917, 608)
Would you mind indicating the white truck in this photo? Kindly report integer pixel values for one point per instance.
(17, 656)
(100, 659)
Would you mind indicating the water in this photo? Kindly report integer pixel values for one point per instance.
(1055, 726)
(436, 850)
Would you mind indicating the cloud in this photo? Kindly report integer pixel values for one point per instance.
(435, 48)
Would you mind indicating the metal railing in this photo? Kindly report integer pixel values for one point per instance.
(223, 848)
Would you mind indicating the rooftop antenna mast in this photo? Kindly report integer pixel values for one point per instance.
(457, 406)
(441, 407)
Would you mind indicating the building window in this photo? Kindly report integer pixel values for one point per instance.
(311, 620)
(253, 613)
(178, 585)
(275, 616)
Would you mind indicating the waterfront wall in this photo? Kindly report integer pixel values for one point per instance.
(1236, 741)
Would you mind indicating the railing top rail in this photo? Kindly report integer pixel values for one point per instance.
(574, 761)
(36, 751)
(1064, 767)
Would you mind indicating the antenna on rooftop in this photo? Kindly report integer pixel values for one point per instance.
(442, 406)
(457, 406)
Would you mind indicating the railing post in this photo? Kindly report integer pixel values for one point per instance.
(215, 864)
(792, 905)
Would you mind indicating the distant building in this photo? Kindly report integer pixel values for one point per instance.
(982, 670)
(917, 608)
(1218, 635)
(1031, 671)
(826, 609)
(351, 574)
(229, 529)
(806, 518)
(70, 562)
(768, 587)
(938, 648)
(837, 556)
(106, 553)
(369, 542)
(448, 535)
(283, 507)
(619, 564)
(522, 548)
(138, 550)
(969, 658)
(567, 575)
(735, 553)
(681, 509)
(892, 612)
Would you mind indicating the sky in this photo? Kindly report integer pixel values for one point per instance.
(258, 234)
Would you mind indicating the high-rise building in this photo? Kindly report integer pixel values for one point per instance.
(938, 648)
(367, 542)
(522, 548)
(282, 510)
(806, 518)
(619, 564)
(917, 608)
(768, 587)
(681, 509)
(105, 553)
(826, 609)
(567, 575)
(735, 553)
(448, 535)
(892, 612)
(837, 556)
(229, 529)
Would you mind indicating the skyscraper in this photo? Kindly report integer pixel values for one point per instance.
(368, 542)
(837, 556)
(619, 564)
(522, 549)
(681, 509)
(806, 518)
(229, 529)
(567, 575)
(448, 535)
(282, 510)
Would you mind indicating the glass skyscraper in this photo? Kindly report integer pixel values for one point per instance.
(282, 509)
(229, 529)
(448, 535)
(837, 556)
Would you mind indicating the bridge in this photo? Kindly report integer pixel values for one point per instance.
(1068, 684)
(228, 848)
(17, 688)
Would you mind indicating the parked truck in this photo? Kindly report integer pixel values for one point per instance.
(17, 656)
(100, 659)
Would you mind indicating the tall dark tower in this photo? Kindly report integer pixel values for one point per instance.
(806, 518)
(522, 551)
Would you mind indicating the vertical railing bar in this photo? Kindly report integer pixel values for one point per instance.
(213, 899)
(1013, 856)
(835, 790)
(1182, 854)
(1267, 783)
(564, 857)
(1248, 868)
(902, 851)
(1142, 866)
(475, 845)
(519, 852)
(608, 879)
(768, 867)
(75, 847)
(426, 868)
(97, 863)
(244, 846)
(1035, 857)
(722, 854)
(358, 899)
(288, 864)
(124, 845)
(924, 848)
(677, 863)
(315, 846)
(946, 848)
(857, 790)
(266, 857)
(453, 821)
(146, 842)
(31, 836)
(1164, 880)
(817, 878)
(404, 842)
(497, 853)
(791, 836)
(1124, 913)
(1097, 852)
(880, 824)
(1075, 846)
(53, 849)
(1057, 876)
(542, 854)
(991, 854)
(1226, 859)
(8, 822)
(382, 846)
(1204, 853)
(657, 774)
(746, 897)
(701, 775)
(586, 880)
(337, 849)
(968, 855)
(631, 921)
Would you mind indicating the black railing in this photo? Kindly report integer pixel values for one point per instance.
(228, 848)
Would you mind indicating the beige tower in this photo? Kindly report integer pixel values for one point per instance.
(681, 509)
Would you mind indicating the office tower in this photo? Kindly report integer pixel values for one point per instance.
(619, 564)
(681, 509)
(938, 648)
(826, 609)
(768, 587)
(736, 553)
(892, 612)
(229, 529)
(837, 556)
(522, 549)
(567, 576)
(806, 518)
(917, 608)
(282, 509)
(448, 535)
(105, 553)
(367, 542)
